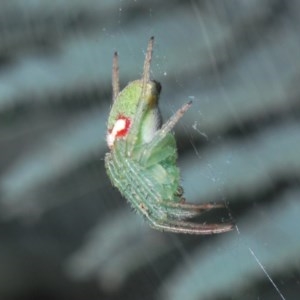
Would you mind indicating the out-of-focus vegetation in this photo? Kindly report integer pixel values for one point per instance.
(65, 232)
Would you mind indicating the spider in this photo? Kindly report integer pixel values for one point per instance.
(143, 154)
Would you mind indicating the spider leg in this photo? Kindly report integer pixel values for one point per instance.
(147, 62)
(132, 136)
(164, 130)
(200, 207)
(176, 212)
(188, 227)
(182, 211)
(115, 77)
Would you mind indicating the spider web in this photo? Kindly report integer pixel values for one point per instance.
(234, 159)
(239, 144)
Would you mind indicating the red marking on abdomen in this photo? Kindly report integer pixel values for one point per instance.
(123, 132)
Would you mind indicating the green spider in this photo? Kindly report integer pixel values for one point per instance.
(142, 158)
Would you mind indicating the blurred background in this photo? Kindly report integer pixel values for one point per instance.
(65, 232)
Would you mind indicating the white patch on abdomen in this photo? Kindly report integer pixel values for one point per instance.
(111, 137)
(151, 125)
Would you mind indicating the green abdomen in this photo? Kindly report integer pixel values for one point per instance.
(152, 184)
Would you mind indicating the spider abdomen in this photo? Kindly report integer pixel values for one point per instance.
(146, 188)
(134, 187)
